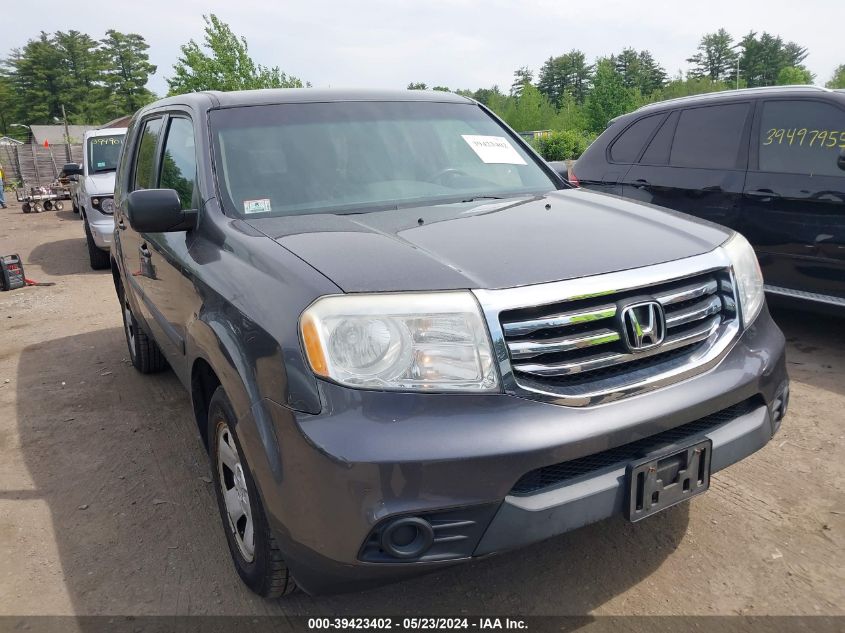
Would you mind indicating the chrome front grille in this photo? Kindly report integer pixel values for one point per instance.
(568, 345)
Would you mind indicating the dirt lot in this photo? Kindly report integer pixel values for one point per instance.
(105, 505)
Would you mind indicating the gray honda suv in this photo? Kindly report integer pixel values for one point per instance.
(409, 343)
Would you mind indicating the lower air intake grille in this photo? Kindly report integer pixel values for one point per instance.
(557, 474)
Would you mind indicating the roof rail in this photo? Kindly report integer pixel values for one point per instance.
(730, 93)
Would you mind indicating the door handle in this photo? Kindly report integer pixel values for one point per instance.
(762, 193)
(641, 183)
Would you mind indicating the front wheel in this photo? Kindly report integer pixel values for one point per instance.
(253, 548)
(98, 258)
(144, 353)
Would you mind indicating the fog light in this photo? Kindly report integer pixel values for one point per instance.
(407, 538)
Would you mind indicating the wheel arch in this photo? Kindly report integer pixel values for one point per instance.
(218, 358)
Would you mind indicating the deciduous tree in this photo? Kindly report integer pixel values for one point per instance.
(223, 63)
(530, 111)
(794, 75)
(609, 97)
(838, 79)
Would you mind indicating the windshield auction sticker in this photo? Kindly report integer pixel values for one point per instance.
(494, 149)
(257, 206)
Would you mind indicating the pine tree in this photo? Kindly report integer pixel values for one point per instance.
(127, 70)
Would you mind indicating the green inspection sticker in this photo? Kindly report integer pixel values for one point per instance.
(102, 163)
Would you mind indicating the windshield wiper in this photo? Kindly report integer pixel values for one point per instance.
(474, 198)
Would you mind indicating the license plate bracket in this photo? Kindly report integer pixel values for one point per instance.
(660, 481)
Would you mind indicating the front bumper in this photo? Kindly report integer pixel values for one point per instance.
(102, 229)
(330, 481)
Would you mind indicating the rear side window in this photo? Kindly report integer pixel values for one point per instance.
(179, 162)
(801, 137)
(145, 177)
(709, 137)
(627, 148)
(660, 146)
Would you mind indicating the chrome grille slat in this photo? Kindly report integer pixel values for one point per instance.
(564, 341)
(672, 342)
(695, 312)
(528, 326)
(529, 348)
(692, 291)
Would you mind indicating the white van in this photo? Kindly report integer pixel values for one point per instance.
(93, 195)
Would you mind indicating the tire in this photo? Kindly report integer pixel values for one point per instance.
(48, 205)
(98, 258)
(73, 205)
(26, 207)
(59, 206)
(144, 352)
(37, 207)
(262, 568)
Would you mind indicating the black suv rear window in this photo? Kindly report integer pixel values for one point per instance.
(709, 137)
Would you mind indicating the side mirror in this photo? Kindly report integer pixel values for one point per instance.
(72, 169)
(841, 160)
(158, 211)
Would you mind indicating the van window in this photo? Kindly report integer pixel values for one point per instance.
(627, 148)
(709, 137)
(801, 137)
(658, 150)
(145, 177)
(179, 162)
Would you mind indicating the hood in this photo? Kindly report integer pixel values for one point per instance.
(100, 184)
(491, 244)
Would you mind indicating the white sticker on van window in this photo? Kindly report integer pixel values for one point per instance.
(101, 164)
(494, 149)
(257, 206)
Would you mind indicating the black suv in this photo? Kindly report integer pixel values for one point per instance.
(768, 162)
(409, 343)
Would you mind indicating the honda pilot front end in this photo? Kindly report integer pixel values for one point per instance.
(409, 344)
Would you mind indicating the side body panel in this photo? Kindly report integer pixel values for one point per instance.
(796, 221)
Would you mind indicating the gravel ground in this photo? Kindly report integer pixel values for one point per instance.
(105, 505)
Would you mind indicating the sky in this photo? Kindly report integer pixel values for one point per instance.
(456, 43)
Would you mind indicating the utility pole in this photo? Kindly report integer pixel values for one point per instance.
(67, 136)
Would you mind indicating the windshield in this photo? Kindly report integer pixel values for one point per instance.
(353, 157)
(104, 152)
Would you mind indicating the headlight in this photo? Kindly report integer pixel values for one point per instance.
(107, 205)
(403, 341)
(749, 279)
